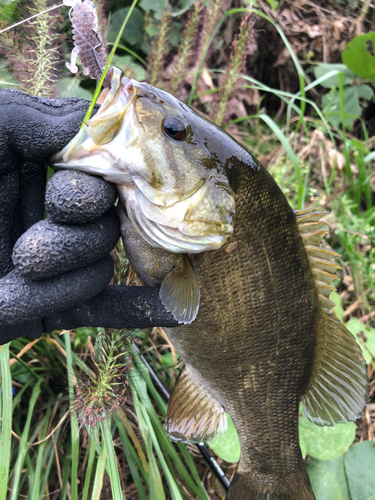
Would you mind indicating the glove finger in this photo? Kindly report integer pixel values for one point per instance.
(73, 197)
(30, 203)
(48, 249)
(8, 203)
(24, 300)
(28, 329)
(32, 177)
(115, 307)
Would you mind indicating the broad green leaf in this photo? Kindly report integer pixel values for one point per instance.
(358, 58)
(157, 6)
(352, 111)
(359, 467)
(227, 446)
(333, 81)
(328, 479)
(365, 337)
(325, 443)
(69, 87)
(133, 33)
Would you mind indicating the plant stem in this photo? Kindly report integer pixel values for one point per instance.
(110, 57)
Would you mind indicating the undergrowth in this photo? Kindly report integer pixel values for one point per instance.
(321, 154)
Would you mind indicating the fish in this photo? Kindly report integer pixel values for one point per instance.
(243, 273)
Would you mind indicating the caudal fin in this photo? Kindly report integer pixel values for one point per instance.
(248, 487)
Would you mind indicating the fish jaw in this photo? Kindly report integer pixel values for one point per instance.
(98, 148)
(169, 227)
(172, 198)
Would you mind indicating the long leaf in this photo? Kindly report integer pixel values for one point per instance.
(34, 493)
(23, 446)
(99, 475)
(5, 419)
(284, 141)
(73, 420)
(173, 487)
(92, 444)
(135, 465)
(111, 462)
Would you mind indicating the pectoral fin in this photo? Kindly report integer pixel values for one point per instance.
(338, 387)
(192, 414)
(179, 292)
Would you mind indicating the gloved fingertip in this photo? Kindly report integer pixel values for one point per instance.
(73, 197)
(32, 329)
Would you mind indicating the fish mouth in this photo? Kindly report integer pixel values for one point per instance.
(98, 148)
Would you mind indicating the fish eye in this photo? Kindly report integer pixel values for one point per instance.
(174, 128)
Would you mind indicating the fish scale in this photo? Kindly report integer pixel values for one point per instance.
(253, 317)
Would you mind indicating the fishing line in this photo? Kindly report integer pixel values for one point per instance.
(214, 466)
(32, 17)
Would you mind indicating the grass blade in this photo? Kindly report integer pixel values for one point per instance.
(34, 491)
(135, 465)
(110, 57)
(99, 475)
(173, 487)
(284, 141)
(23, 446)
(111, 462)
(73, 419)
(92, 445)
(5, 419)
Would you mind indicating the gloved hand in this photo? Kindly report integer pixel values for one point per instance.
(53, 276)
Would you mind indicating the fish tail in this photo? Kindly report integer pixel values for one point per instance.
(250, 486)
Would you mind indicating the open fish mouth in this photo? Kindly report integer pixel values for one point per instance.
(99, 148)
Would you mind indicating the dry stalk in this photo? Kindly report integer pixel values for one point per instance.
(184, 55)
(235, 67)
(158, 51)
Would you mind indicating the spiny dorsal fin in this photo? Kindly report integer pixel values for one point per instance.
(310, 227)
(193, 415)
(338, 387)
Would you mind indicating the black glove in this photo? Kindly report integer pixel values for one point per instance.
(61, 262)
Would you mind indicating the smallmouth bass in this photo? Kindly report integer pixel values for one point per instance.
(242, 272)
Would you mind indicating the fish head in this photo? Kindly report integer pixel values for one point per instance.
(164, 159)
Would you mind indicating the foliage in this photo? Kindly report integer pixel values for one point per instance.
(314, 160)
(358, 58)
(227, 446)
(324, 443)
(350, 91)
(358, 468)
(328, 479)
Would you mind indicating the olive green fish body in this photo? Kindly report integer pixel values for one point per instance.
(253, 341)
(244, 274)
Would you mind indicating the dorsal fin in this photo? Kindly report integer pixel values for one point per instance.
(338, 387)
(192, 414)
